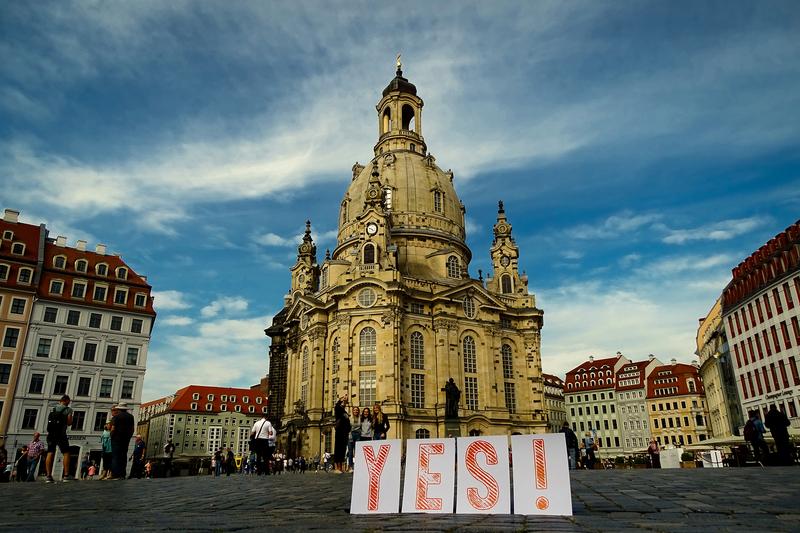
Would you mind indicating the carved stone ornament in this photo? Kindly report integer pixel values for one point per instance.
(443, 323)
(388, 159)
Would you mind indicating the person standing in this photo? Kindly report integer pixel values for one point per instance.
(341, 428)
(105, 443)
(380, 423)
(754, 433)
(230, 463)
(589, 446)
(137, 467)
(778, 425)
(35, 450)
(261, 436)
(655, 454)
(169, 451)
(21, 466)
(122, 426)
(59, 419)
(355, 436)
(366, 424)
(3, 463)
(572, 445)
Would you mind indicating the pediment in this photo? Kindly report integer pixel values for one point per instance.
(474, 289)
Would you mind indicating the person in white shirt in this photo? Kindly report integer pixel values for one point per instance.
(262, 441)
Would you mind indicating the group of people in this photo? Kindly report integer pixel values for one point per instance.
(115, 441)
(27, 462)
(364, 424)
(778, 424)
(580, 453)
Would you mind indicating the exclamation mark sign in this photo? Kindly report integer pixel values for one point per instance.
(540, 472)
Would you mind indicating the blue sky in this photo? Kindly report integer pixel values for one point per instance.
(642, 150)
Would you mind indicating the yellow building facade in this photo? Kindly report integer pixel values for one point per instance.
(392, 313)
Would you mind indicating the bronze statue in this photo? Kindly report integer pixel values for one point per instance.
(453, 395)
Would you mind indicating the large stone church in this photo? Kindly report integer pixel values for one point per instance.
(392, 313)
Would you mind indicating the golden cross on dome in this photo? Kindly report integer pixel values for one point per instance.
(399, 64)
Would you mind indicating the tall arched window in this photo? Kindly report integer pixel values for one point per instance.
(453, 267)
(366, 347)
(508, 364)
(335, 356)
(304, 375)
(505, 284)
(408, 118)
(437, 201)
(369, 253)
(386, 123)
(417, 351)
(470, 357)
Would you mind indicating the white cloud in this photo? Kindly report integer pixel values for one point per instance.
(271, 239)
(224, 304)
(223, 353)
(614, 226)
(573, 255)
(629, 259)
(670, 266)
(176, 321)
(718, 231)
(170, 300)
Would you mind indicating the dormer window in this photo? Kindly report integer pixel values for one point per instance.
(8, 235)
(18, 248)
(56, 286)
(140, 299)
(59, 261)
(196, 396)
(210, 397)
(120, 296)
(101, 269)
(122, 273)
(80, 265)
(78, 289)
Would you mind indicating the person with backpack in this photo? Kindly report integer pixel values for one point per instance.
(572, 445)
(59, 419)
(754, 434)
(778, 425)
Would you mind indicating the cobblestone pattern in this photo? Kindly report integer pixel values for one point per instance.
(744, 499)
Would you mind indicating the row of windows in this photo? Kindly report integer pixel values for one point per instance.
(588, 427)
(666, 406)
(675, 422)
(90, 351)
(226, 398)
(24, 274)
(740, 317)
(94, 320)
(224, 407)
(81, 265)
(589, 410)
(30, 418)
(770, 384)
(99, 294)
(83, 388)
(753, 344)
(640, 424)
(577, 397)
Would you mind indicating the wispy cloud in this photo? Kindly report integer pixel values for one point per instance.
(170, 300)
(224, 304)
(717, 231)
(613, 226)
(176, 321)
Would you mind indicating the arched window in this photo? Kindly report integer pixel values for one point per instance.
(474, 432)
(335, 356)
(386, 122)
(470, 358)
(422, 434)
(80, 265)
(59, 261)
(369, 253)
(366, 347)
(417, 351)
(122, 273)
(408, 118)
(508, 365)
(691, 385)
(505, 284)
(101, 269)
(437, 201)
(323, 282)
(469, 306)
(304, 376)
(453, 267)
(344, 212)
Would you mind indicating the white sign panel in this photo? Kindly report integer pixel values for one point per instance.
(541, 475)
(376, 479)
(484, 483)
(430, 476)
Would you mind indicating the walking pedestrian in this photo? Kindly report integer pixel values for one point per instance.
(105, 443)
(778, 425)
(262, 437)
(59, 419)
(572, 445)
(36, 449)
(169, 451)
(137, 466)
(754, 434)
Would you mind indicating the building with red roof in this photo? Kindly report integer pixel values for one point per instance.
(761, 318)
(200, 419)
(676, 404)
(631, 392)
(554, 405)
(88, 333)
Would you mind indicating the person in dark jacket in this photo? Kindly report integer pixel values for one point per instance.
(778, 425)
(341, 434)
(122, 429)
(572, 445)
(380, 423)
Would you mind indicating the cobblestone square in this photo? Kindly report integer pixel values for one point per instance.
(745, 499)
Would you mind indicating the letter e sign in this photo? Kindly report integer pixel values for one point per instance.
(430, 476)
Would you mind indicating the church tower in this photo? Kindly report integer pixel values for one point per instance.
(393, 313)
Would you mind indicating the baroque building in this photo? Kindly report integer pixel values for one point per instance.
(676, 404)
(761, 320)
(393, 312)
(631, 388)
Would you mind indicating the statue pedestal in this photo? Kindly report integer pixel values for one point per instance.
(452, 427)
